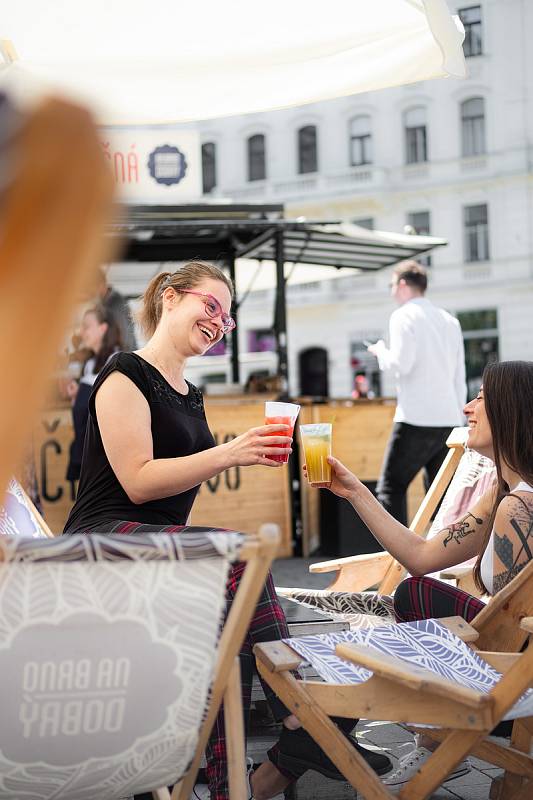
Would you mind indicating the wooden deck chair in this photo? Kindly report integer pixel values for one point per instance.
(416, 673)
(499, 634)
(500, 637)
(18, 515)
(463, 477)
(114, 664)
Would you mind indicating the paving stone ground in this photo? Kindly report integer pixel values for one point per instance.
(393, 739)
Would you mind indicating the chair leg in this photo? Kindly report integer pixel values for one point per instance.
(325, 733)
(178, 790)
(233, 634)
(523, 794)
(506, 758)
(521, 740)
(161, 794)
(454, 748)
(234, 727)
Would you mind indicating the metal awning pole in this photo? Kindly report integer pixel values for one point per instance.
(235, 367)
(281, 314)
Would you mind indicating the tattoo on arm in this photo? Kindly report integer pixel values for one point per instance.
(513, 556)
(503, 548)
(459, 530)
(503, 578)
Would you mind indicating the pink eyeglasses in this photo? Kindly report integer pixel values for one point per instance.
(212, 308)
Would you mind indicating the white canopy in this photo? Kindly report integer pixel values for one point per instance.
(168, 61)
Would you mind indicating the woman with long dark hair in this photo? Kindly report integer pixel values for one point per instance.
(498, 529)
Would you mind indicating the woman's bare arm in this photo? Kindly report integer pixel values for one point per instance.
(456, 543)
(125, 426)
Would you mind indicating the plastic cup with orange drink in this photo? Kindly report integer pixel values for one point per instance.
(316, 442)
(281, 414)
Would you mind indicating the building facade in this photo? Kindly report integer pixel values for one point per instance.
(447, 157)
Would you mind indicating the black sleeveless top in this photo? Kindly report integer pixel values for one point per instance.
(179, 428)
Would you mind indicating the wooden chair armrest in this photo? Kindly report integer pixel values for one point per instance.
(355, 573)
(454, 573)
(277, 656)
(464, 579)
(339, 563)
(461, 628)
(409, 674)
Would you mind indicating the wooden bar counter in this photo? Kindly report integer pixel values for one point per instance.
(242, 497)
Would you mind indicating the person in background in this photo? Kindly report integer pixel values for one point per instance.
(361, 388)
(118, 306)
(426, 354)
(101, 336)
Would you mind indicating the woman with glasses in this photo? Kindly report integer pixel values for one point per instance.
(148, 448)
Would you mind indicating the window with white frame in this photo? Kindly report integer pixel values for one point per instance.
(476, 233)
(420, 222)
(415, 125)
(307, 149)
(471, 19)
(256, 157)
(360, 140)
(481, 339)
(209, 167)
(473, 126)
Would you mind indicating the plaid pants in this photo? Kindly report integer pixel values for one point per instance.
(428, 598)
(268, 624)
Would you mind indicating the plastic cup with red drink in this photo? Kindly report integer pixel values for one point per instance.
(281, 414)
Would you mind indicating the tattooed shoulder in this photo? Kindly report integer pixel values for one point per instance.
(513, 539)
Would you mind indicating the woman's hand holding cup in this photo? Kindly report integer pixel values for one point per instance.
(343, 482)
(259, 446)
(281, 414)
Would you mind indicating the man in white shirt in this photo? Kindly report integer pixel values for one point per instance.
(426, 353)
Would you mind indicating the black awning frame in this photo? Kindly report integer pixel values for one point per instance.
(224, 233)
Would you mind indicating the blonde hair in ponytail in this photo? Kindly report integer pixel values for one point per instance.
(187, 276)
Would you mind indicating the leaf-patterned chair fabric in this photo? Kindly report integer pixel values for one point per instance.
(471, 479)
(427, 644)
(107, 651)
(16, 516)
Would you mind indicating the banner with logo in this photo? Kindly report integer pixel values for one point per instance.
(154, 165)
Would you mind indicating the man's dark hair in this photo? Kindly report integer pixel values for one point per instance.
(413, 273)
